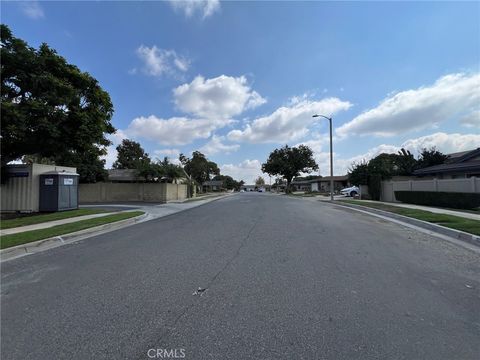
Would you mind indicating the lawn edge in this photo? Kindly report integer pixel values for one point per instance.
(48, 243)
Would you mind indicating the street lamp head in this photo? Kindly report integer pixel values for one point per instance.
(323, 116)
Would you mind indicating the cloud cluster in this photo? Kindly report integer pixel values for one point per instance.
(216, 145)
(288, 123)
(172, 131)
(417, 109)
(445, 143)
(247, 170)
(189, 8)
(221, 97)
(158, 62)
(209, 104)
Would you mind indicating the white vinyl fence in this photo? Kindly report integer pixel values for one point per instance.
(467, 185)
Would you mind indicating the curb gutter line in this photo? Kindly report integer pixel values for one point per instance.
(55, 241)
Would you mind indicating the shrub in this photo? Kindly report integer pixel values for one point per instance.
(441, 199)
(375, 186)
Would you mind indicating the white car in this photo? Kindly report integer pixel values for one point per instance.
(350, 191)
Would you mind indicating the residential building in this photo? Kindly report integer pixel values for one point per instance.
(458, 165)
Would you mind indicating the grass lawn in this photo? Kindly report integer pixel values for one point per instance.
(31, 219)
(34, 235)
(450, 221)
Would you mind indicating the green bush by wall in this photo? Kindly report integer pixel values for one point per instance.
(440, 199)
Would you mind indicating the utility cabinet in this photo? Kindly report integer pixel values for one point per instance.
(58, 191)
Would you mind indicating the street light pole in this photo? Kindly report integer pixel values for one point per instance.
(331, 153)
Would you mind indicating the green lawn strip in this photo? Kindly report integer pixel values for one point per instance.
(34, 235)
(40, 218)
(454, 222)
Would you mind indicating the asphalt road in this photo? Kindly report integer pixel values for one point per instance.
(285, 279)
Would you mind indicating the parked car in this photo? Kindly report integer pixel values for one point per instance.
(350, 191)
(242, 190)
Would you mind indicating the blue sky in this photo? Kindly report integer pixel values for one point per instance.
(238, 79)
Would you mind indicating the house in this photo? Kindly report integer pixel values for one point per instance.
(339, 183)
(458, 165)
(321, 184)
(213, 185)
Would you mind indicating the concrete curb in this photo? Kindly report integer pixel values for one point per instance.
(456, 234)
(15, 252)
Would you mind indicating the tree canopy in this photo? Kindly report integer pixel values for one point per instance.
(228, 182)
(430, 157)
(130, 155)
(290, 162)
(260, 181)
(199, 167)
(51, 109)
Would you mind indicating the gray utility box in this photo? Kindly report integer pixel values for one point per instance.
(58, 191)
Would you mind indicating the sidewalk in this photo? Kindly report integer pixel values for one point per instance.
(48, 224)
(435, 210)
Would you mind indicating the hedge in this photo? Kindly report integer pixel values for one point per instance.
(441, 199)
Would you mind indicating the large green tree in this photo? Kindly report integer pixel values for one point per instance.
(260, 181)
(50, 108)
(290, 162)
(130, 155)
(228, 182)
(430, 157)
(199, 167)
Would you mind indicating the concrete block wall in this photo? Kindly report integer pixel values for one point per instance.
(465, 185)
(129, 192)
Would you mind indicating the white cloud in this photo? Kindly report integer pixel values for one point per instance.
(205, 8)
(247, 170)
(288, 123)
(416, 109)
(471, 120)
(32, 9)
(173, 131)
(158, 62)
(445, 143)
(221, 97)
(216, 145)
(167, 152)
(171, 154)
